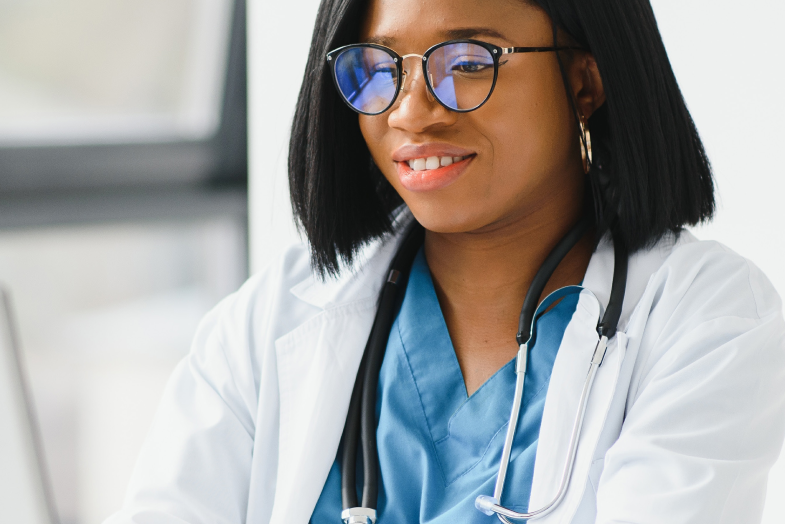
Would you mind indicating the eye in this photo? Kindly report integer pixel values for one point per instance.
(471, 64)
(388, 68)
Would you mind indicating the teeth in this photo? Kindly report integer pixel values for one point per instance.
(433, 162)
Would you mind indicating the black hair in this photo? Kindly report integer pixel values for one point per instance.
(650, 174)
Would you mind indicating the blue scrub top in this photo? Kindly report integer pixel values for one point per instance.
(439, 448)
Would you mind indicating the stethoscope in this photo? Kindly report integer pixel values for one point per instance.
(360, 429)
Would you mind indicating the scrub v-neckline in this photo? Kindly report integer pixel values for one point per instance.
(438, 448)
(460, 425)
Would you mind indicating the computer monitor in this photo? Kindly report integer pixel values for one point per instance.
(24, 493)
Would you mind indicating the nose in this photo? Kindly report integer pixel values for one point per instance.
(417, 66)
(416, 109)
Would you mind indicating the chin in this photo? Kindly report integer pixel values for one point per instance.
(449, 219)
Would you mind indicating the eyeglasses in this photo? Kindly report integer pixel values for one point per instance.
(460, 74)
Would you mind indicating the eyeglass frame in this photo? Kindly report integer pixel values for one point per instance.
(495, 51)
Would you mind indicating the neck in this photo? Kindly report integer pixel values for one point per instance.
(503, 260)
(481, 279)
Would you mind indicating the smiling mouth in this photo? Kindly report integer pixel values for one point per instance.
(431, 173)
(433, 162)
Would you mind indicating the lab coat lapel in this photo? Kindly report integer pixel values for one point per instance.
(317, 366)
(561, 404)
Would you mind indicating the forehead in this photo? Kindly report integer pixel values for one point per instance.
(408, 25)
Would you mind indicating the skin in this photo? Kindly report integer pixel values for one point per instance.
(488, 232)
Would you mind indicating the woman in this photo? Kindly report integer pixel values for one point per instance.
(532, 118)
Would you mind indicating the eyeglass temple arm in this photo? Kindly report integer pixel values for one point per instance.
(511, 50)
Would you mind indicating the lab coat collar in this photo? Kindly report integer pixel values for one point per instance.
(364, 278)
(360, 281)
(317, 366)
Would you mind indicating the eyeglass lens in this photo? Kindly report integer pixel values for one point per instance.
(367, 78)
(460, 74)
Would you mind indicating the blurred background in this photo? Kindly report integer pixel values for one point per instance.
(123, 213)
(142, 175)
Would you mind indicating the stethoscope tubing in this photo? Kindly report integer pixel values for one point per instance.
(361, 424)
(606, 329)
(521, 364)
(490, 505)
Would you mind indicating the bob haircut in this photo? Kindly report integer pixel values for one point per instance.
(650, 175)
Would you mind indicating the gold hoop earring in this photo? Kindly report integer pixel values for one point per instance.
(585, 140)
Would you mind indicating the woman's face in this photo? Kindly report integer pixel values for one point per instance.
(521, 148)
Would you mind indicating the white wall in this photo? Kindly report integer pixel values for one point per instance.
(728, 62)
(279, 35)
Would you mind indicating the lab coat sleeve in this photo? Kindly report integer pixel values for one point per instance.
(195, 464)
(706, 410)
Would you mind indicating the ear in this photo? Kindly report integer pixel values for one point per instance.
(586, 83)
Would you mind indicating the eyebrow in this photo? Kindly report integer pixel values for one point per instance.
(381, 40)
(471, 32)
(460, 33)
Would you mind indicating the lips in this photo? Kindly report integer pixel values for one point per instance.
(431, 149)
(431, 179)
(427, 167)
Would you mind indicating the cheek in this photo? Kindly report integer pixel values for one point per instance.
(375, 131)
(529, 123)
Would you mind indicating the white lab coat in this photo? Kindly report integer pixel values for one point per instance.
(686, 417)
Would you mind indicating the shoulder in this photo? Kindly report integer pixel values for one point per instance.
(681, 277)
(257, 306)
(706, 308)
(705, 277)
(704, 406)
(233, 347)
(283, 296)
